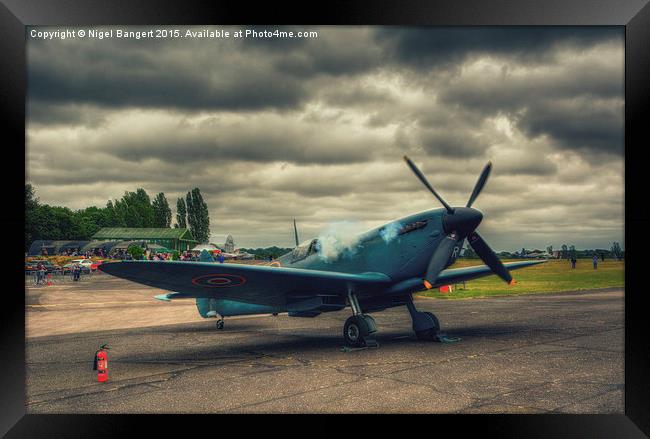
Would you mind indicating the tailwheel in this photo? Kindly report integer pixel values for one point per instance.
(220, 324)
(430, 333)
(357, 329)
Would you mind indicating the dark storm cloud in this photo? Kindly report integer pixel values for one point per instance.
(345, 52)
(315, 128)
(71, 114)
(451, 143)
(230, 74)
(578, 124)
(424, 47)
(158, 81)
(567, 90)
(156, 74)
(262, 138)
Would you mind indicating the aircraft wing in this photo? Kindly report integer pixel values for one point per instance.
(263, 285)
(455, 275)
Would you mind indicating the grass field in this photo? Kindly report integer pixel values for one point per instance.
(552, 276)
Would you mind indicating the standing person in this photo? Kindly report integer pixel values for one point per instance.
(595, 259)
(40, 273)
(76, 272)
(602, 257)
(221, 258)
(573, 262)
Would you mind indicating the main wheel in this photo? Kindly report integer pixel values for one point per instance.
(355, 331)
(220, 324)
(429, 333)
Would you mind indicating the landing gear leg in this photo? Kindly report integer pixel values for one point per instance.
(425, 324)
(213, 313)
(359, 326)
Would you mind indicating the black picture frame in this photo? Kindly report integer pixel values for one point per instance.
(634, 15)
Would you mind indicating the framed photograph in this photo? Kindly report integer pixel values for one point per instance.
(390, 209)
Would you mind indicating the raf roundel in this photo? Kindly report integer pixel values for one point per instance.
(219, 280)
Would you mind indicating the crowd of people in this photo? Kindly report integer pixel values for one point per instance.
(98, 252)
(183, 256)
(42, 275)
(123, 254)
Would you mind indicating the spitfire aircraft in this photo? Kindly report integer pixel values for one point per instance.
(387, 265)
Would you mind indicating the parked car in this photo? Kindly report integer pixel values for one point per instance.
(49, 267)
(85, 265)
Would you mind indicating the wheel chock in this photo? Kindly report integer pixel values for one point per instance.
(444, 338)
(370, 344)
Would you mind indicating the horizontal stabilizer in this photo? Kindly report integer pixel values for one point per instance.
(169, 296)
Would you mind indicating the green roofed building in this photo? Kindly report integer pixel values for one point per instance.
(173, 239)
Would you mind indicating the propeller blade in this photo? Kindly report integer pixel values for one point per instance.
(478, 187)
(439, 259)
(424, 181)
(487, 255)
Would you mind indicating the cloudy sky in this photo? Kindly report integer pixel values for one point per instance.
(315, 129)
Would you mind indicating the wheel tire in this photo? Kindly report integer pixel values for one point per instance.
(220, 324)
(431, 333)
(370, 323)
(355, 331)
(434, 319)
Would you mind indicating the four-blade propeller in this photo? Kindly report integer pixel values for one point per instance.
(460, 223)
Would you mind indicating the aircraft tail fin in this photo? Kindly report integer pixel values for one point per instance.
(295, 232)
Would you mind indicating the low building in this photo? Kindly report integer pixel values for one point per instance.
(180, 239)
(43, 247)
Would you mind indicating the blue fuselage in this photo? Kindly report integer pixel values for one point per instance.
(400, 249)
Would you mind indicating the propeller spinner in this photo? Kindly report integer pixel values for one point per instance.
(460, 223)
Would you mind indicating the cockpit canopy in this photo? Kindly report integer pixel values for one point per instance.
(305, 249)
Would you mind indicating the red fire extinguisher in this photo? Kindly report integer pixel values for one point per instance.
(101, 363)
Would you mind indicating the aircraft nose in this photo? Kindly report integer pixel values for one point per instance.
(463, 221)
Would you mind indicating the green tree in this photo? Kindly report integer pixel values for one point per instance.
(565, 251)
(134, 209)
(135, 251)
(181, 214)
(112, 217)
(198, 218)
(572, 251)
(91, 219)
(31, 208)
(162, 213)
(616, 250)
(264, 253)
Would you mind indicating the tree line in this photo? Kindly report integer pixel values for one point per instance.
(566, 252)
(134, 209)
(264, 253)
